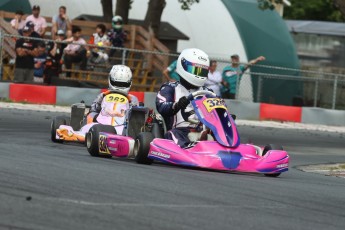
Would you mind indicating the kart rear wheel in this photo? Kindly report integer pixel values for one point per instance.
(157, 131)
(142, 148)
(266, 149)
(57, 121)
(92, 139)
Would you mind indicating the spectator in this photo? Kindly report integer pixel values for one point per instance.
(232, 75)
(55, 52)
(117, 35)
(40, 62)
(75, 51)
(170, 72)
(25, 50)
(61, 22)
(18, 23)
(33, 33)
(214, 78)
(39, 22)
(99, 39)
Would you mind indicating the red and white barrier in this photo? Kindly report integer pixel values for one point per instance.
(61, 95)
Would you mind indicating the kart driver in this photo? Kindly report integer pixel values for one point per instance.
(120, 81)
(171, 101)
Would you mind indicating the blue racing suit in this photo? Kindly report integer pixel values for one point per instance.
(176, 121)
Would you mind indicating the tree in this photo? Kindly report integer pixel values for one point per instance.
(107, 7)
(155, 11)
(122, 9)
(268, 4)
(153, 14)
(321, 10)
(340, 4)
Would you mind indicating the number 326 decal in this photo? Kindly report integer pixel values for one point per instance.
(213, 103)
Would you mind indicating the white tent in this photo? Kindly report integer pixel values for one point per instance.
(209, 26)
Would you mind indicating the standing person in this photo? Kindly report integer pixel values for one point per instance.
(61, 22)
(26, 51)
(55, 52)
(75, 52)
(33, 33)
(232, 75)
(18, 23)
(117, 35)
(39, 22)
(214, 78)
(171, 101)
(170, 72)
(40, 62)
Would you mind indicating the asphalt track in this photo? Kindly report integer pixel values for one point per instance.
(44, 185)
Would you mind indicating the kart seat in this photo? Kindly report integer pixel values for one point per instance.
(77, 115)
(200, 136)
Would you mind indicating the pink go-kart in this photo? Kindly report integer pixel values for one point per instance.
(220, 150)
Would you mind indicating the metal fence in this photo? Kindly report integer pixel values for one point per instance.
(260, 83)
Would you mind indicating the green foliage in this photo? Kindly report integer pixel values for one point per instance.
(268, 4)
(185, 4)
(320, 10)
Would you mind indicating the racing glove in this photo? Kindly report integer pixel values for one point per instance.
(182, 103)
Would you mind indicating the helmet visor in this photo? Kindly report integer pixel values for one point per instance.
(194, 68)
(120, 84)
(117, 24)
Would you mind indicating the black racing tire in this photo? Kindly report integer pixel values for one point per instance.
(266, 149)
(92, 139)
(157, 131)
(55, 124)
(142, 148)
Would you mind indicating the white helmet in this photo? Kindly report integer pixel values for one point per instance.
(120, 78)
(193, 66)
(114, 22)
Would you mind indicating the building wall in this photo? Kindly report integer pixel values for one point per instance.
(320, 50)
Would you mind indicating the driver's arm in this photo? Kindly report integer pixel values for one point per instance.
(96, 104)
(165, 100)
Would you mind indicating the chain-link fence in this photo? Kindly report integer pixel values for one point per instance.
(260, 83)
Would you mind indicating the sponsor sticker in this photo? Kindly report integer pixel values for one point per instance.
(103, 148)
(160, 154)
(282, 165)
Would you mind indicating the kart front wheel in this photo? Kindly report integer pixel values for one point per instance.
(266, 149)
(57, 121)
(92, 139)
(142, 148)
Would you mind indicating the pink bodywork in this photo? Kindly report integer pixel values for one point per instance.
(224, 153)
(212, 155)
(116, 145)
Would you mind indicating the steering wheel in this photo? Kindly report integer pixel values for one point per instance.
(192, 96)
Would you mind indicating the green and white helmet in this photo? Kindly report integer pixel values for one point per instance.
(117, 22)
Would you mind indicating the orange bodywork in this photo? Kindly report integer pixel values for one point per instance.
(68, 136)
